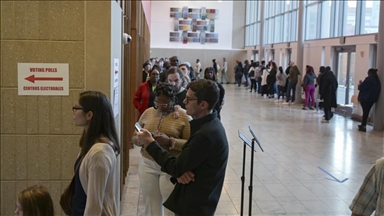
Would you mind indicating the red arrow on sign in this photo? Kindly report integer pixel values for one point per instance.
(32, 78)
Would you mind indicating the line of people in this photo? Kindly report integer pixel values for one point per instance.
(162, 102)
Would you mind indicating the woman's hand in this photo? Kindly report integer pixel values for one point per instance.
(163, 140)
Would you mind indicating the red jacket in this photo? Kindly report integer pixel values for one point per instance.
(142, 97)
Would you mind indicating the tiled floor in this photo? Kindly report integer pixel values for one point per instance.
(287, 179)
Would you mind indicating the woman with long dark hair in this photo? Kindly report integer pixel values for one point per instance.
(271, 79)
(170, 127)
(96, 175)
(239, 73)
(281, 78)
(369, 92)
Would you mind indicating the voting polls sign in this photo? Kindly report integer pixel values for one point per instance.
(43, 79)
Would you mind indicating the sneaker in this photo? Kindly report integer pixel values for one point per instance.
(250, 91)
(324, 121)
(362, 128)
(285, 103)
(304, 108)
(311, 108)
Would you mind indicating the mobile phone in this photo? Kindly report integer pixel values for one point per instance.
(138, 127)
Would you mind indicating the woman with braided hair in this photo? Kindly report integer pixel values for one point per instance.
(169, 125)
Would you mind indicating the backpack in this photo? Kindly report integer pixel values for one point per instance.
(262, 68)
(252, 73)
(257, 72)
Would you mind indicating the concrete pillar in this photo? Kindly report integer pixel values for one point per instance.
(300, 48)
(261, 51)
(378, 124)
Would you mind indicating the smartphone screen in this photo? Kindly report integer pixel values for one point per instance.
(138, 127)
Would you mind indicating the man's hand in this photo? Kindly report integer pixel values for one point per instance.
(186, 178)
(144, 137)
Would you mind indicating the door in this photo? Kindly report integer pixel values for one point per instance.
(345, 74)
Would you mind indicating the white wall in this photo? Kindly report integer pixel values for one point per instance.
(116, 52)
(162, 24)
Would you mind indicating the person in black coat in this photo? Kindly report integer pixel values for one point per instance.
(328, 86)
(271, 79)
(210, 75)
(369, 92)
(239, 73)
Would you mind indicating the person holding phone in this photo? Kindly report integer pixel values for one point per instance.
(200, 167)
(170, 127)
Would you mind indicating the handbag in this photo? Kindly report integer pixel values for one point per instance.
(67, 195)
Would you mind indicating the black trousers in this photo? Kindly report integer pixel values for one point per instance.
(366, 108)
(327, 113)
(253, 84)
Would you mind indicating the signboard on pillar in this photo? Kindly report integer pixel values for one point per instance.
(43, 79)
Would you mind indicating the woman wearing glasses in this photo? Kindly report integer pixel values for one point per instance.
(169, 125)
(96, 175)
(144, 95)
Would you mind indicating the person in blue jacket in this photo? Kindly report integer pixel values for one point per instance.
(369, 91)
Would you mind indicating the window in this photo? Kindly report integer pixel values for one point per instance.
(293, 35)
(325, 26)
(336, 17)
(257, 34)
(247, 43)
(311, 22)
(349, 18)
(252, 35)
(258, 10)
(266, 31)
(278, 30)
(287, 27)
(370, 16)
(248, 12)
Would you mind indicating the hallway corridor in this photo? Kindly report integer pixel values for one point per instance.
(287, 179)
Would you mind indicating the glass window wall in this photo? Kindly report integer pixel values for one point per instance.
(370, 17)
(323, 19)
(349, 18)
(325, 26)
(311, 26)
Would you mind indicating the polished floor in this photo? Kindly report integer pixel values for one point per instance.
(303, 170)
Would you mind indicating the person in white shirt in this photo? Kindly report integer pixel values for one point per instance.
(97, 181)
(224, 74)
(198, 69)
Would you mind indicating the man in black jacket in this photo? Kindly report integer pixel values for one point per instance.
(200, 167)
